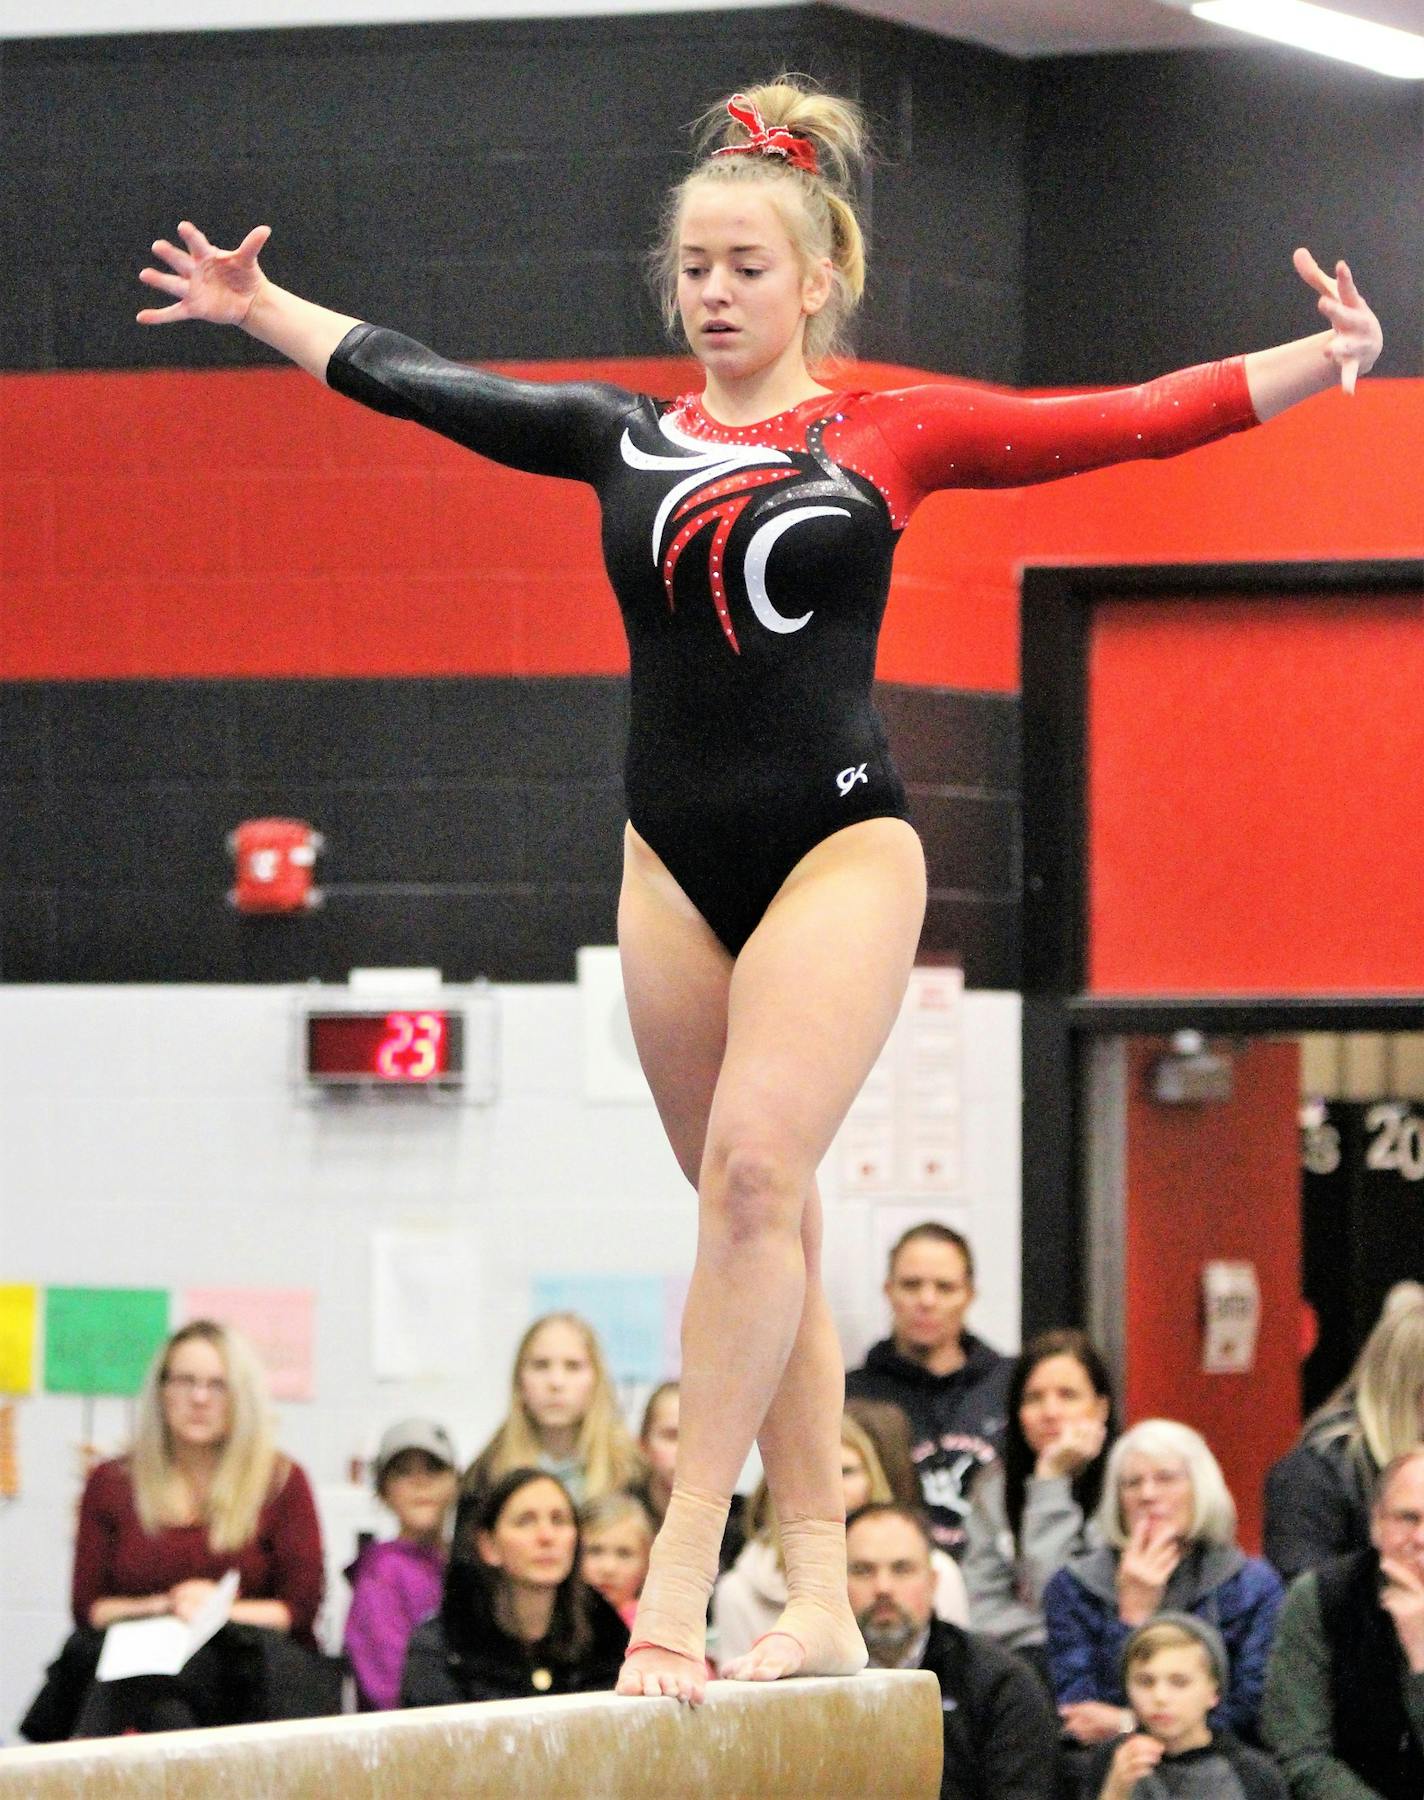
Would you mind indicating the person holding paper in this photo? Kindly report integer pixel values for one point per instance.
(201, 1491)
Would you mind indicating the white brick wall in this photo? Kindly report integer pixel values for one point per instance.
(149, 1137)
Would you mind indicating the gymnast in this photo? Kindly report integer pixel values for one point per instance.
(773, 887)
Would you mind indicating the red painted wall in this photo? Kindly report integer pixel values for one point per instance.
(245, 522)
(1208, 1182)
(1253, 771)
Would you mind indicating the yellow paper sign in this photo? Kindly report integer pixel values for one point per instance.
(17, 1338)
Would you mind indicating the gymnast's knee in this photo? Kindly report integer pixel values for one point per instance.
(756, 1191)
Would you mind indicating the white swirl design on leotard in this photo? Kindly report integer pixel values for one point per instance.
(724, 480)
(759, 549)
(708, 461)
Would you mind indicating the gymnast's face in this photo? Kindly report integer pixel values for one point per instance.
(534, 1538)
(743, 290)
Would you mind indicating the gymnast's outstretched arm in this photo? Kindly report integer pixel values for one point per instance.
(227, 287)
(548, 428)
(953, 434)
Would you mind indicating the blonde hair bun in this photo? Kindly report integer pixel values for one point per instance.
(818, 209)
(836, 127)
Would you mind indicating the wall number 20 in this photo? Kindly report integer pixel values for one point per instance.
(1396, 1141)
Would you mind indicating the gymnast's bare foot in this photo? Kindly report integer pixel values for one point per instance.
(650, 1672)
(805, 1641)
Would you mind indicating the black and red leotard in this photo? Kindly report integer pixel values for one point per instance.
(752, 567)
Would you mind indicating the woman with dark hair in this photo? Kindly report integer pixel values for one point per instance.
(1032, 1511)
(516, 1618)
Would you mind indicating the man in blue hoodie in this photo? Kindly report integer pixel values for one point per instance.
(948, 1383)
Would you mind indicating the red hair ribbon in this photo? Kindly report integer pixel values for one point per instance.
(800, 152)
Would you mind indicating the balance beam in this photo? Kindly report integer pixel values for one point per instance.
(876, 1736)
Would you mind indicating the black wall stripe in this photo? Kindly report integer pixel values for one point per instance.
(491, 187)
(1167, 193)
(472, 824)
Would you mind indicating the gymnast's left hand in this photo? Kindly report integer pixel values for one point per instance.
(1356, 339)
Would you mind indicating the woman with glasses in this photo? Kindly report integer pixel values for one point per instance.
(1167, 1543)
(202, 1489)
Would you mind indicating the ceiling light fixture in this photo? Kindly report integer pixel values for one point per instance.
(1382, 48)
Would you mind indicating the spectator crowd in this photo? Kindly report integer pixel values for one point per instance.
(1073, 1580)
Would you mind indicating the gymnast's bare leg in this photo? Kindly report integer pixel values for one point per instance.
(753, 1065)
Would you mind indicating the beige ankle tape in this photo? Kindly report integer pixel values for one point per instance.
(815, 1553)
(818, 1614)
(673, 1608)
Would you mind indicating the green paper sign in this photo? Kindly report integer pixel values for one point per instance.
(101, 1340)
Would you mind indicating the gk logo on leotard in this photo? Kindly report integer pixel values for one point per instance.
(847, 779)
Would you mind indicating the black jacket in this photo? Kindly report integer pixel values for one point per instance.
(1318, 1499)
(957, 1422)
(1374, 1735)
(1000, 1729)
(488, 1663)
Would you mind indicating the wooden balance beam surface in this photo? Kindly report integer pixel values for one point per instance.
(876, 1736)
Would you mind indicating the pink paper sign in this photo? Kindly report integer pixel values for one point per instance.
(278, 1322)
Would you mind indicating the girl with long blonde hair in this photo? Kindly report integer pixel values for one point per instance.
(1320, 1494)
(202, 1490)
(773, 887)
(172, 1480)
(563, 1415)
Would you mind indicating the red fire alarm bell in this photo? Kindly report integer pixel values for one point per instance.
(276, 859)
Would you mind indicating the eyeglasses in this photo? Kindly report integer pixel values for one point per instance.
(1162, 1478)
(197, 1384)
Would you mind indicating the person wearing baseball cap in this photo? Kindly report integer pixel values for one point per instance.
(398, 1582)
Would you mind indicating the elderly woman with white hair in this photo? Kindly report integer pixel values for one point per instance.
(1167, 1525)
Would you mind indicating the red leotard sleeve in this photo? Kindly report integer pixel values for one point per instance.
(948, 434)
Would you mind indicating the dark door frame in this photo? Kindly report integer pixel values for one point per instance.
(1060, 1018)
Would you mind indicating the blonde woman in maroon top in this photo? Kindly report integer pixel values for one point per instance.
(202, 1490)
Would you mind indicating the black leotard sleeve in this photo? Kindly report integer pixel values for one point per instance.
(544, 427)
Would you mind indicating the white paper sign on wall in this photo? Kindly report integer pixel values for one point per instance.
(611, 1070)
(1231, 1309)
(425, 1305)
(902, 1135)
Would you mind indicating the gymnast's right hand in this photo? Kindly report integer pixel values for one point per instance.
(216, 285)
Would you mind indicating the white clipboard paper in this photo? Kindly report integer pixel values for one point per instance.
(162, 1646)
